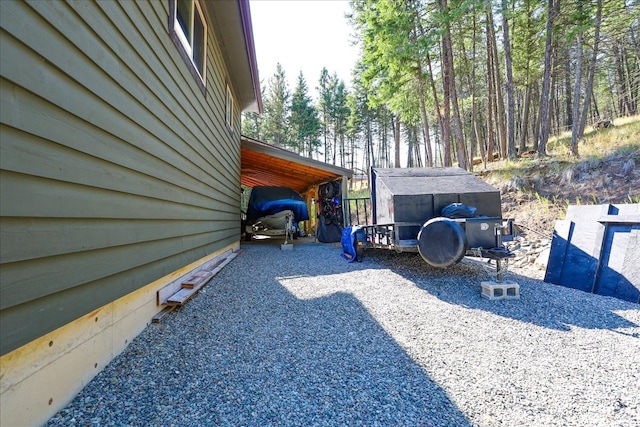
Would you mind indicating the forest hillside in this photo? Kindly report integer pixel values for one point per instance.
(536, 191)
(441, 83)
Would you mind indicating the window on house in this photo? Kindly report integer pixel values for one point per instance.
(229, 110)
(188, 30)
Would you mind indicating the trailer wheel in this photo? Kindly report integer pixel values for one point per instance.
(442, 242)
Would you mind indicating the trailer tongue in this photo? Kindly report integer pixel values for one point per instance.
(407, 215)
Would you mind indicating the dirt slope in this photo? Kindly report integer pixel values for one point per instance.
(536, 192)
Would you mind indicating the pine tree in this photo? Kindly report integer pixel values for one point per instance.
(324, 96)
(276, 109)
(339, 117)
(304, 122)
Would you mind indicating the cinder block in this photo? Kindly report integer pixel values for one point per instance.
(286, 247)
(500, 290)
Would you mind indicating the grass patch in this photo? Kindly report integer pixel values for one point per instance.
(358, 194)
(622, 138)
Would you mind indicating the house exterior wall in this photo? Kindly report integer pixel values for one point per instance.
(41, 377)
(116, 170)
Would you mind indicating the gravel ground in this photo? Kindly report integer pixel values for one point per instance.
(303, 338)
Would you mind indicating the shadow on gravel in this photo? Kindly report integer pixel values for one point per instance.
(543, 304)
(248, 352)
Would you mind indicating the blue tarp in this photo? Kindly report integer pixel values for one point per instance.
(349, 243)
(271, 200)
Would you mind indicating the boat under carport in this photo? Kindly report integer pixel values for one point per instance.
(265, 164)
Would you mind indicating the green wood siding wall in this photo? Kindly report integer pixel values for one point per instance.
(115, 169)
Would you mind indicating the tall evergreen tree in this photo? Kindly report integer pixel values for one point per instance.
(276, 109)
(528, 23)
(303, 121)
(339, 118)
(324, 103)
(359, 122)
(394, 45)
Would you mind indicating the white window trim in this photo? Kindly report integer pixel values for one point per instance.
(229, 109)
(184, 45)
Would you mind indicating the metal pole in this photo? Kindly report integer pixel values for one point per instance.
(498, 233)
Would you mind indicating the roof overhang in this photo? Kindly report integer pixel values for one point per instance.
(265, 164)
(232, 20)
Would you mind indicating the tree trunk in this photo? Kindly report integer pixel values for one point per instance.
(352, 143)
(595, 112)
(576, 95)
(475, 140)
(537, 124)
(525, 119)
(335, 147)
(526, 123)
(511, 102)
(500, 121)
(570, 106)
(423, 108)
(490, 96)
(555, 103)
(632, 85)
(369, 144)
(423, 112)
(592, 72)
(409, 132)
(457, 121)
(546, 83)
(624, 106)
(428, 151)
(436, 101)
(446, 89)
(396, 140)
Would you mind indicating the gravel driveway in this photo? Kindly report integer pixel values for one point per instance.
(303, 338)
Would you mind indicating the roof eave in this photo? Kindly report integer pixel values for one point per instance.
(233, 25)
(247, 29)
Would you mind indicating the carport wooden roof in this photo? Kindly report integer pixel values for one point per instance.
(265, 164)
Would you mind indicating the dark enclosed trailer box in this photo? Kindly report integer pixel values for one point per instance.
(418, 194)
(404, 200)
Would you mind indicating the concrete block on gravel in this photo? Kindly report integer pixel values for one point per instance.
(500, 290)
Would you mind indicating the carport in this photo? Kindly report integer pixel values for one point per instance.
(265, 164)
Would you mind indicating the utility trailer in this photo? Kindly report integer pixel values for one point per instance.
(406, 210)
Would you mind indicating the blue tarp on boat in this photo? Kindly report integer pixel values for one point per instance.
(270, 200)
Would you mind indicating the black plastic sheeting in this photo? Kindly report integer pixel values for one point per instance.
(596, 249)
(330, 212)
(271, 200)
(459, 210)
(329, 233)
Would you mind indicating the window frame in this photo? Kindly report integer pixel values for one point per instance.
(187, 47)
(229, 106)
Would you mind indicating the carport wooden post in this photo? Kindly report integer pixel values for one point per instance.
(310, 196)
(345, 208)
